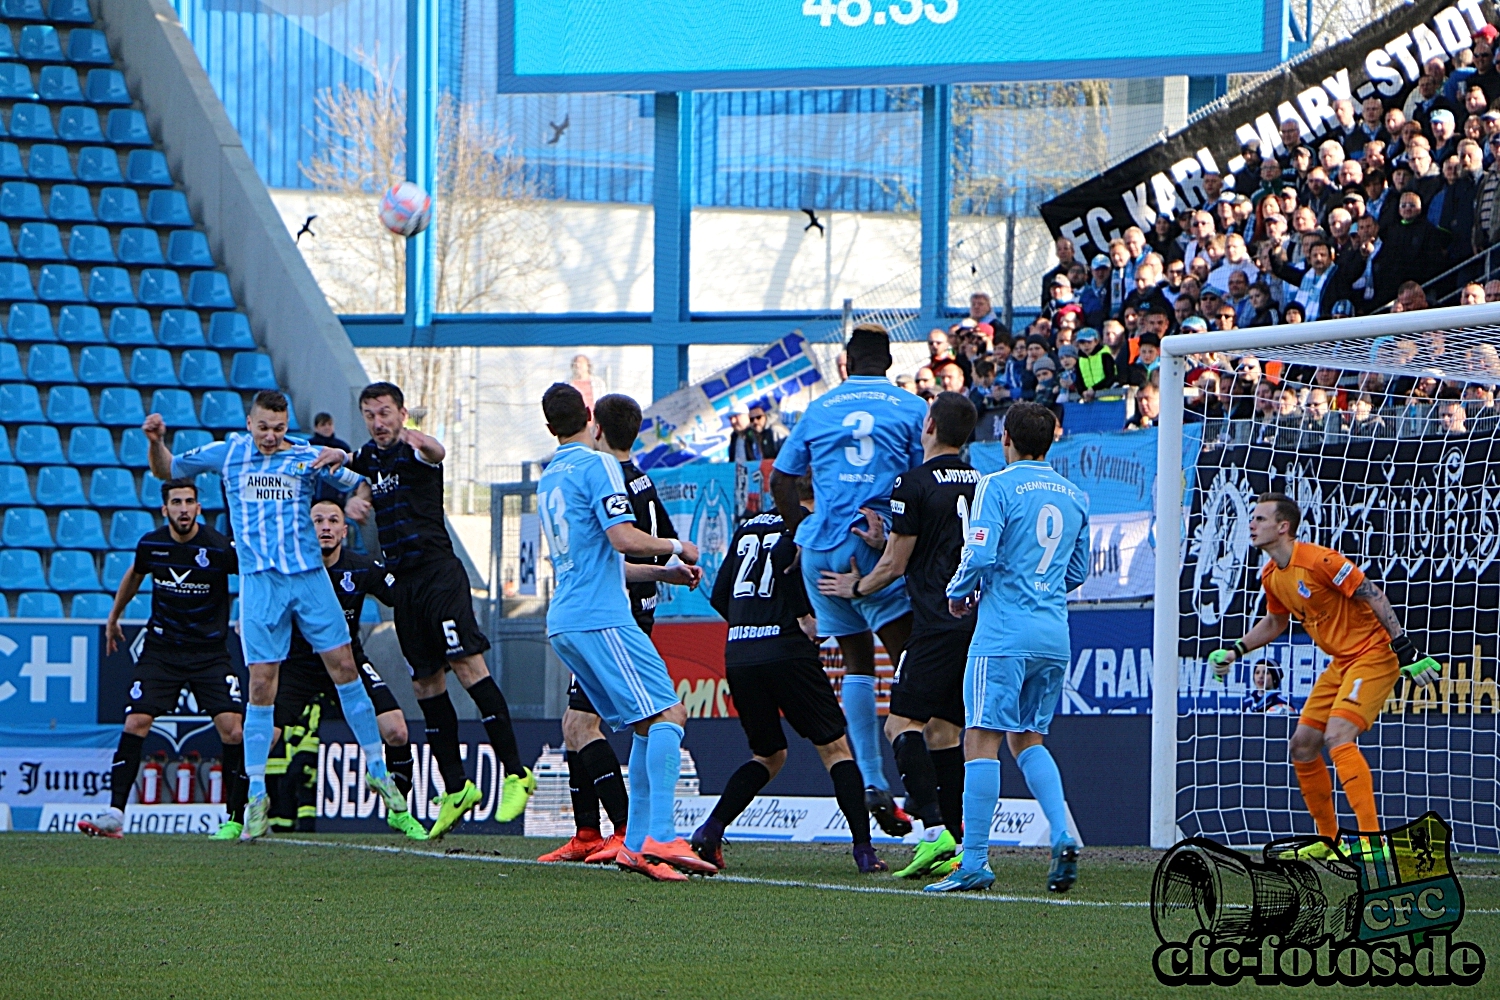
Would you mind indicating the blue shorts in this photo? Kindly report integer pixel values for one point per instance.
(620, 671)
(270, 601)
(1012, 694)
(841, 615)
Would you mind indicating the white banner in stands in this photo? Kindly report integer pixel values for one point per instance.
(197, 819)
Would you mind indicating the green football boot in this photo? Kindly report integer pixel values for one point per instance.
(228, 830)
(929, 855)
(451, 808)
(514, 795)
(257, 817)
(405, 822)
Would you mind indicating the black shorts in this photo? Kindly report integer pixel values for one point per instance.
(435, 616)
(304, 681)
(797, 688)
(164, 670)
(577, 700)
(930, 677)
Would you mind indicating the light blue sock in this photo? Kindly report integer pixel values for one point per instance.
(981, 792)
(664, 757)
(260, 726)
(1045, 782)
(638, 814)
(359, 713)
(864, 729)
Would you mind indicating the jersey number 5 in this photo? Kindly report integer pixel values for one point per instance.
(750, 552)
(1049, 531)
(862, 450)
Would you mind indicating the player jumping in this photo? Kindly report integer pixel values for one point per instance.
(1351, 620)
(190, 564)
(1027, 546)
(856, 440)
(268, 482)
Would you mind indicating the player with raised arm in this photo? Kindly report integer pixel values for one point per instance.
(771, 662)
(268, 482)
(1350, 619)
(434, 608)
(856, 439)
(184, 647)
(1027, 546)
(587, 517)
(929, 514)
(303, 678)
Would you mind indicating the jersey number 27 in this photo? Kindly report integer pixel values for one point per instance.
(752, 551)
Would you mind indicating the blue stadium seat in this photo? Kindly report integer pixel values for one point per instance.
(120, 406)
(79, 123)
(117, 564)
(86, 45)
(140, 246)
(118, 206)
(99, 165)
(130, 326)
(133, 444)
(31, 121)
(15, 488)
(369, 614)
(91, 446)
(7, 46)
(223, 410)
(30, 321)
(10, 160)
(25, 527)
(175, 407)
(39, 604)
(221, 524)
(70, 404)
(10, 363)
(230, 332)
(20, 404)
(152, 366)
(15, 283)
(188, 248)
(127, 127)
(39, 43)
(148, 168)
(127, 526)
(4, 607)
(40, 241)
(49, 363)
(100, 365)
(165, 207)
(210, 290)
(59, 486)
(91, 245)
(161, 287)
(234, 578)
(187, 440)
(15, 83)
(21, 200)
(38, 444)
(22, 10)
(92, 606)
(79, 325)
(201, 370)
(59, 84)
(250, 370)
(112, 487)
(106, 86)
(181, 328)
(80, 528)
(138, 610)
(70, 12)
(60, 283)
(110, 286)
(72, 569)
(210, 491)
(6, 248)
(5, 455)
(150, 491)
(70, 203)
(49, 162)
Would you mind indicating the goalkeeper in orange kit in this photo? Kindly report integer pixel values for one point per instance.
(1351, 620)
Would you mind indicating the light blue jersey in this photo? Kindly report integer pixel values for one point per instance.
(856, 439)
(270, 499)
(1027, 545)
(580, 496)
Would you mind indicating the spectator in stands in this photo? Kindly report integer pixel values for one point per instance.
(1264, 696)
(926, 385)
(1315, 290)
(950, 376)
(1375, 190)
(1444, 140)
(1263, 413)
(940, 349)
(1201, 230)
(1237, 297)
(1262, 307)
(1068, 388)
(1456, 214)
(1471, 295)
(1065, 251)
(1185, 306)
(1330, 156)
(1374, 157)
(1094, 298)
(1291, 138)
(1286, 430)
(906, 382)
(982, 394)
(1318, 418)
(1487, 201)
(1242, 388)
(1351, 174)
(1062, 295)
(1163, 238)
(1247, 178)
(1354, 202)
(1147, 362)
(1137, 246)
(1427, 96)
(753, 437)
(1150, 289)
(1340, 237)
(1416, 246)
(1206, 403)
(323, 434)
(1367, 270)
(1045, 387)
(1236, 258)
(1317, 193)
(1147, 408)
(1208, 305)
(1224, 318)
(1010, 371)
(982, 310)
(1096, 366)
(1427, 175)
(1452, 418)
(1121, 276)
(1409, 297)
(1364, 420)
(1370, 128)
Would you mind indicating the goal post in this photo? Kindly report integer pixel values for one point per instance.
(1407, 489)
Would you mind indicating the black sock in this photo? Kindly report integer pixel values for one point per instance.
(236, 782)
(581, 790)
(495, 715)
(742, 787)
(442, 736)
(919, 777)
(123, 771)
(603, 768)
(849, 789)
(949, 765)
(399, 763)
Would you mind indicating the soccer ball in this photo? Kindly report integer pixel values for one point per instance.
(406, 209)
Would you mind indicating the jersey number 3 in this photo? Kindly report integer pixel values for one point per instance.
(751, 550)
(862, 450)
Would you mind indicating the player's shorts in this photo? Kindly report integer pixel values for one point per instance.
(930, 677)
(577, 700)
(304, 681)
(843, 616)
(271, 601)
(621, 673)
(797, 688)
(163, 671)
(434, 614)
(1355, 689)
(1012, 694)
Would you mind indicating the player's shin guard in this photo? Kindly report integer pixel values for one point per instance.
(495, 714)
(949, 765)
(742, 787)
(236, 785)
(126, 766)
(664, 759)
(602, 768)
(1358, 784)
(581, 791)
(864, 728)
(1317, 792)
(398, 760)
(849, 790)
(260, 725)
(359, 713)
(981, 792)
(442, 736)
(640, 794)
(920, 779)
(1045, 782)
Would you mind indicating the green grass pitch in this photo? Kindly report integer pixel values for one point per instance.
(177, 918)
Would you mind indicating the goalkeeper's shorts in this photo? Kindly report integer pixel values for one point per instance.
(1355, 689)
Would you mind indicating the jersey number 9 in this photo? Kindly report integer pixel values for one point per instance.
(1049, 530)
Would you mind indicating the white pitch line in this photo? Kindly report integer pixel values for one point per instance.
(737, 879)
